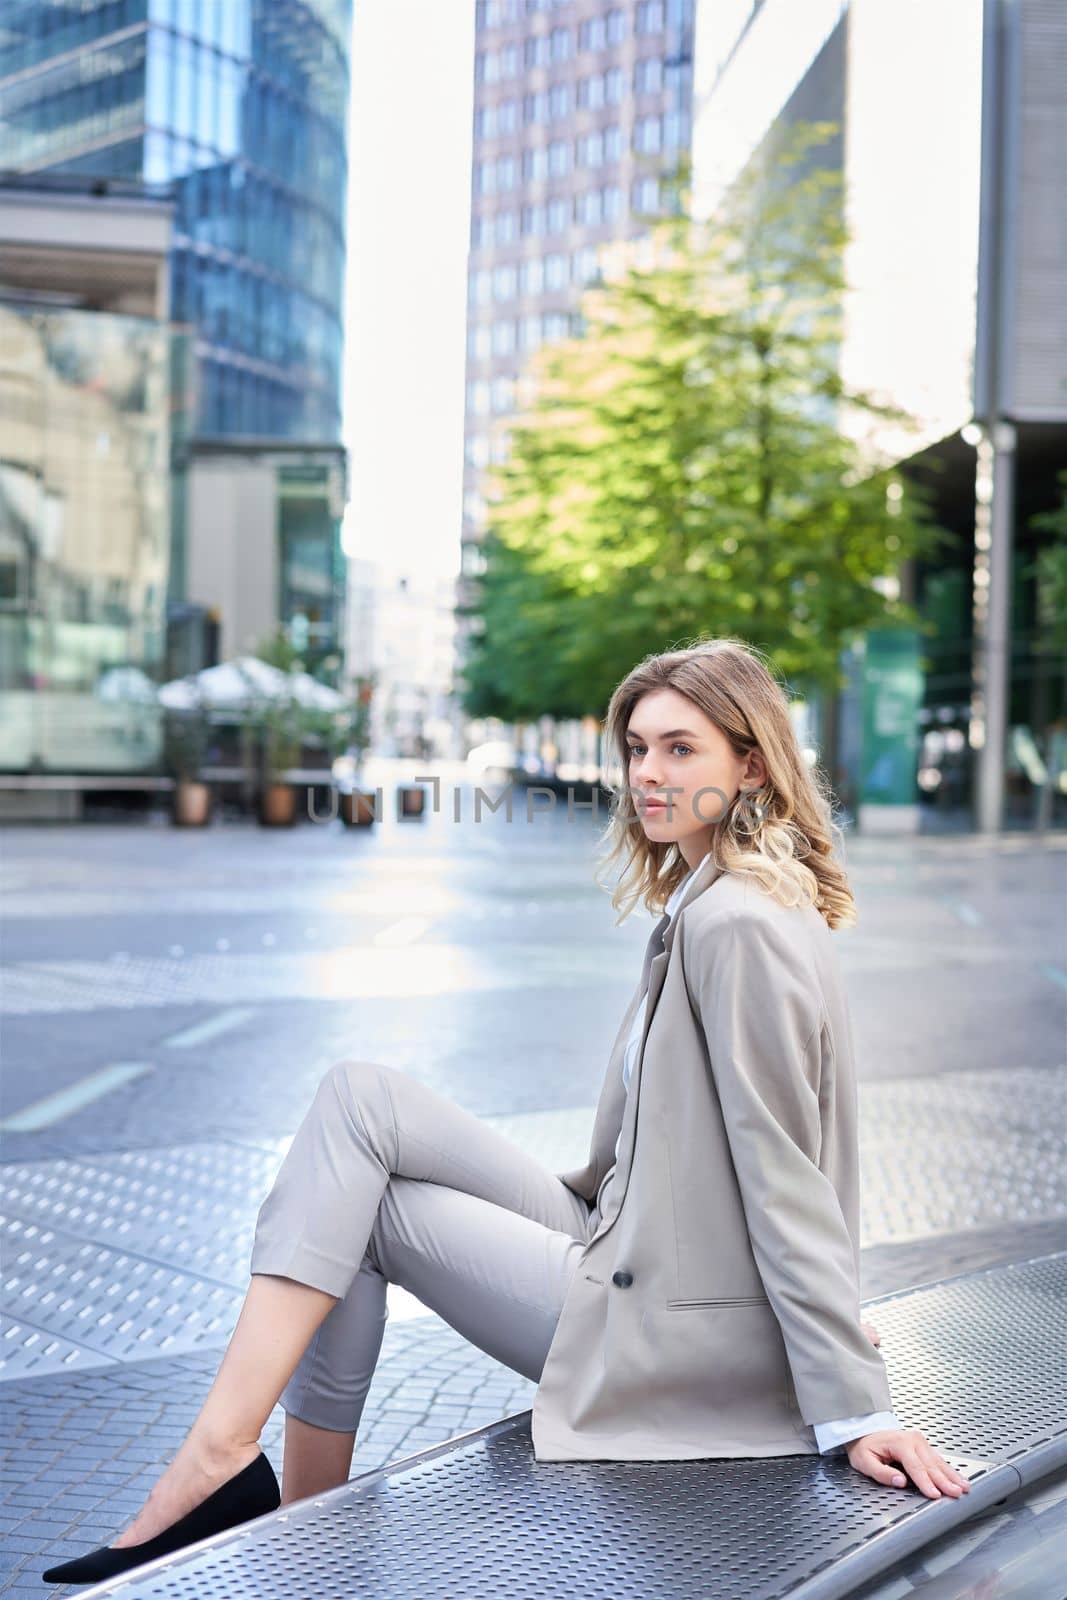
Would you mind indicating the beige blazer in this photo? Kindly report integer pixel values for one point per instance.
(716, 1310)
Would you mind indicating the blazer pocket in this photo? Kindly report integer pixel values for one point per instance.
(728, 1300)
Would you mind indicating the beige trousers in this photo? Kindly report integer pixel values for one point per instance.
(387, 1181)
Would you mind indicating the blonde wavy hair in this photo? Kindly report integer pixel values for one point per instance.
(781, 835)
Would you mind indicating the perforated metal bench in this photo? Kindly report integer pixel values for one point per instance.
(976, 1361)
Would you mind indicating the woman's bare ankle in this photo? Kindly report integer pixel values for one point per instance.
(315, 1459)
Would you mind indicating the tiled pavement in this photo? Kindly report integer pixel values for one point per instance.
(126, 1228)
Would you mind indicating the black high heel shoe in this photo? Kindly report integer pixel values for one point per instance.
(252, 1492)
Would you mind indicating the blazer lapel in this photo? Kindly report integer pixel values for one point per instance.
(615, 1103)
(613, 1091)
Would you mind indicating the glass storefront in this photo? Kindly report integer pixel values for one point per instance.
(84, 534)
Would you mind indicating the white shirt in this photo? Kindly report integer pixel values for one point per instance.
(829, 1436)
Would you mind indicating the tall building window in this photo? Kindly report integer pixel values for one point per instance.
(645, 194)
(611, 197)
(591, 149)
(559, 158)
(503, 282)
(480, 288)
(535, 107)
(504, 227)
(592, 34)
(505, 172)
(647, 135)
(503, 337)
(530, 332)
(479, 342)
(584, 264)
(556, 273)
(675, 130)
(561, 44)
(616, 25)
(532, 275)
(533, 219)
(535, 163)
(537, 50)
(589, 208)
(650, 16)
(559, 101)
(503, 394)
(613, 86)
(507, 116)
(556, 215)
(648, 75)
(478, 398)
(591, 91)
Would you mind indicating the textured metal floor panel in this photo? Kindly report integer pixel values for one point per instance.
(90, 1304)
(126, 1256)
(175, 1206)
(976, 1361)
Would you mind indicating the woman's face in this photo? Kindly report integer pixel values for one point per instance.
(677, 755)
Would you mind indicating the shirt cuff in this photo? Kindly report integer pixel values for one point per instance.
(836, 1434)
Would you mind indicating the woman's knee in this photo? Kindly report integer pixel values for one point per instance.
(360, 1084)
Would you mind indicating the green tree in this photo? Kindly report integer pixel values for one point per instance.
(1049, 572)
(692, 464)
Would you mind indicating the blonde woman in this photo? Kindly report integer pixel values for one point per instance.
(692, 1290)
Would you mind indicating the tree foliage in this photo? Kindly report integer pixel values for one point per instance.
(692, 465)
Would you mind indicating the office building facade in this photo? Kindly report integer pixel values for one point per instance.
(581, 111)
(955, 312)
(239, 110)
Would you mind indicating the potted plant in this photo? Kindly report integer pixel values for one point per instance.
(280, 727)
(185, 741)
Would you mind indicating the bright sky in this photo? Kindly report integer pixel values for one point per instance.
(408, 230)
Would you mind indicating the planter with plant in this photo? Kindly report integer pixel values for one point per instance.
(184, 747)
(280, 727)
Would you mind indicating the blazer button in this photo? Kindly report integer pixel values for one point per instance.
(623, 1279)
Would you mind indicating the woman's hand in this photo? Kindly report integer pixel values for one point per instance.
(872, 1332)
(874, 1454)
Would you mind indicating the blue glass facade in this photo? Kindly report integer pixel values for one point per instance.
(241, 105)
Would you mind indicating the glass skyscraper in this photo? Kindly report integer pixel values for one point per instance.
(235, 112)
(241, 105)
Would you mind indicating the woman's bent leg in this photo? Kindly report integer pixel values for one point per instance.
(497, 1277)
(366, 1124)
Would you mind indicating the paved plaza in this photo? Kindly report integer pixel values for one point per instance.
(171, 999)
